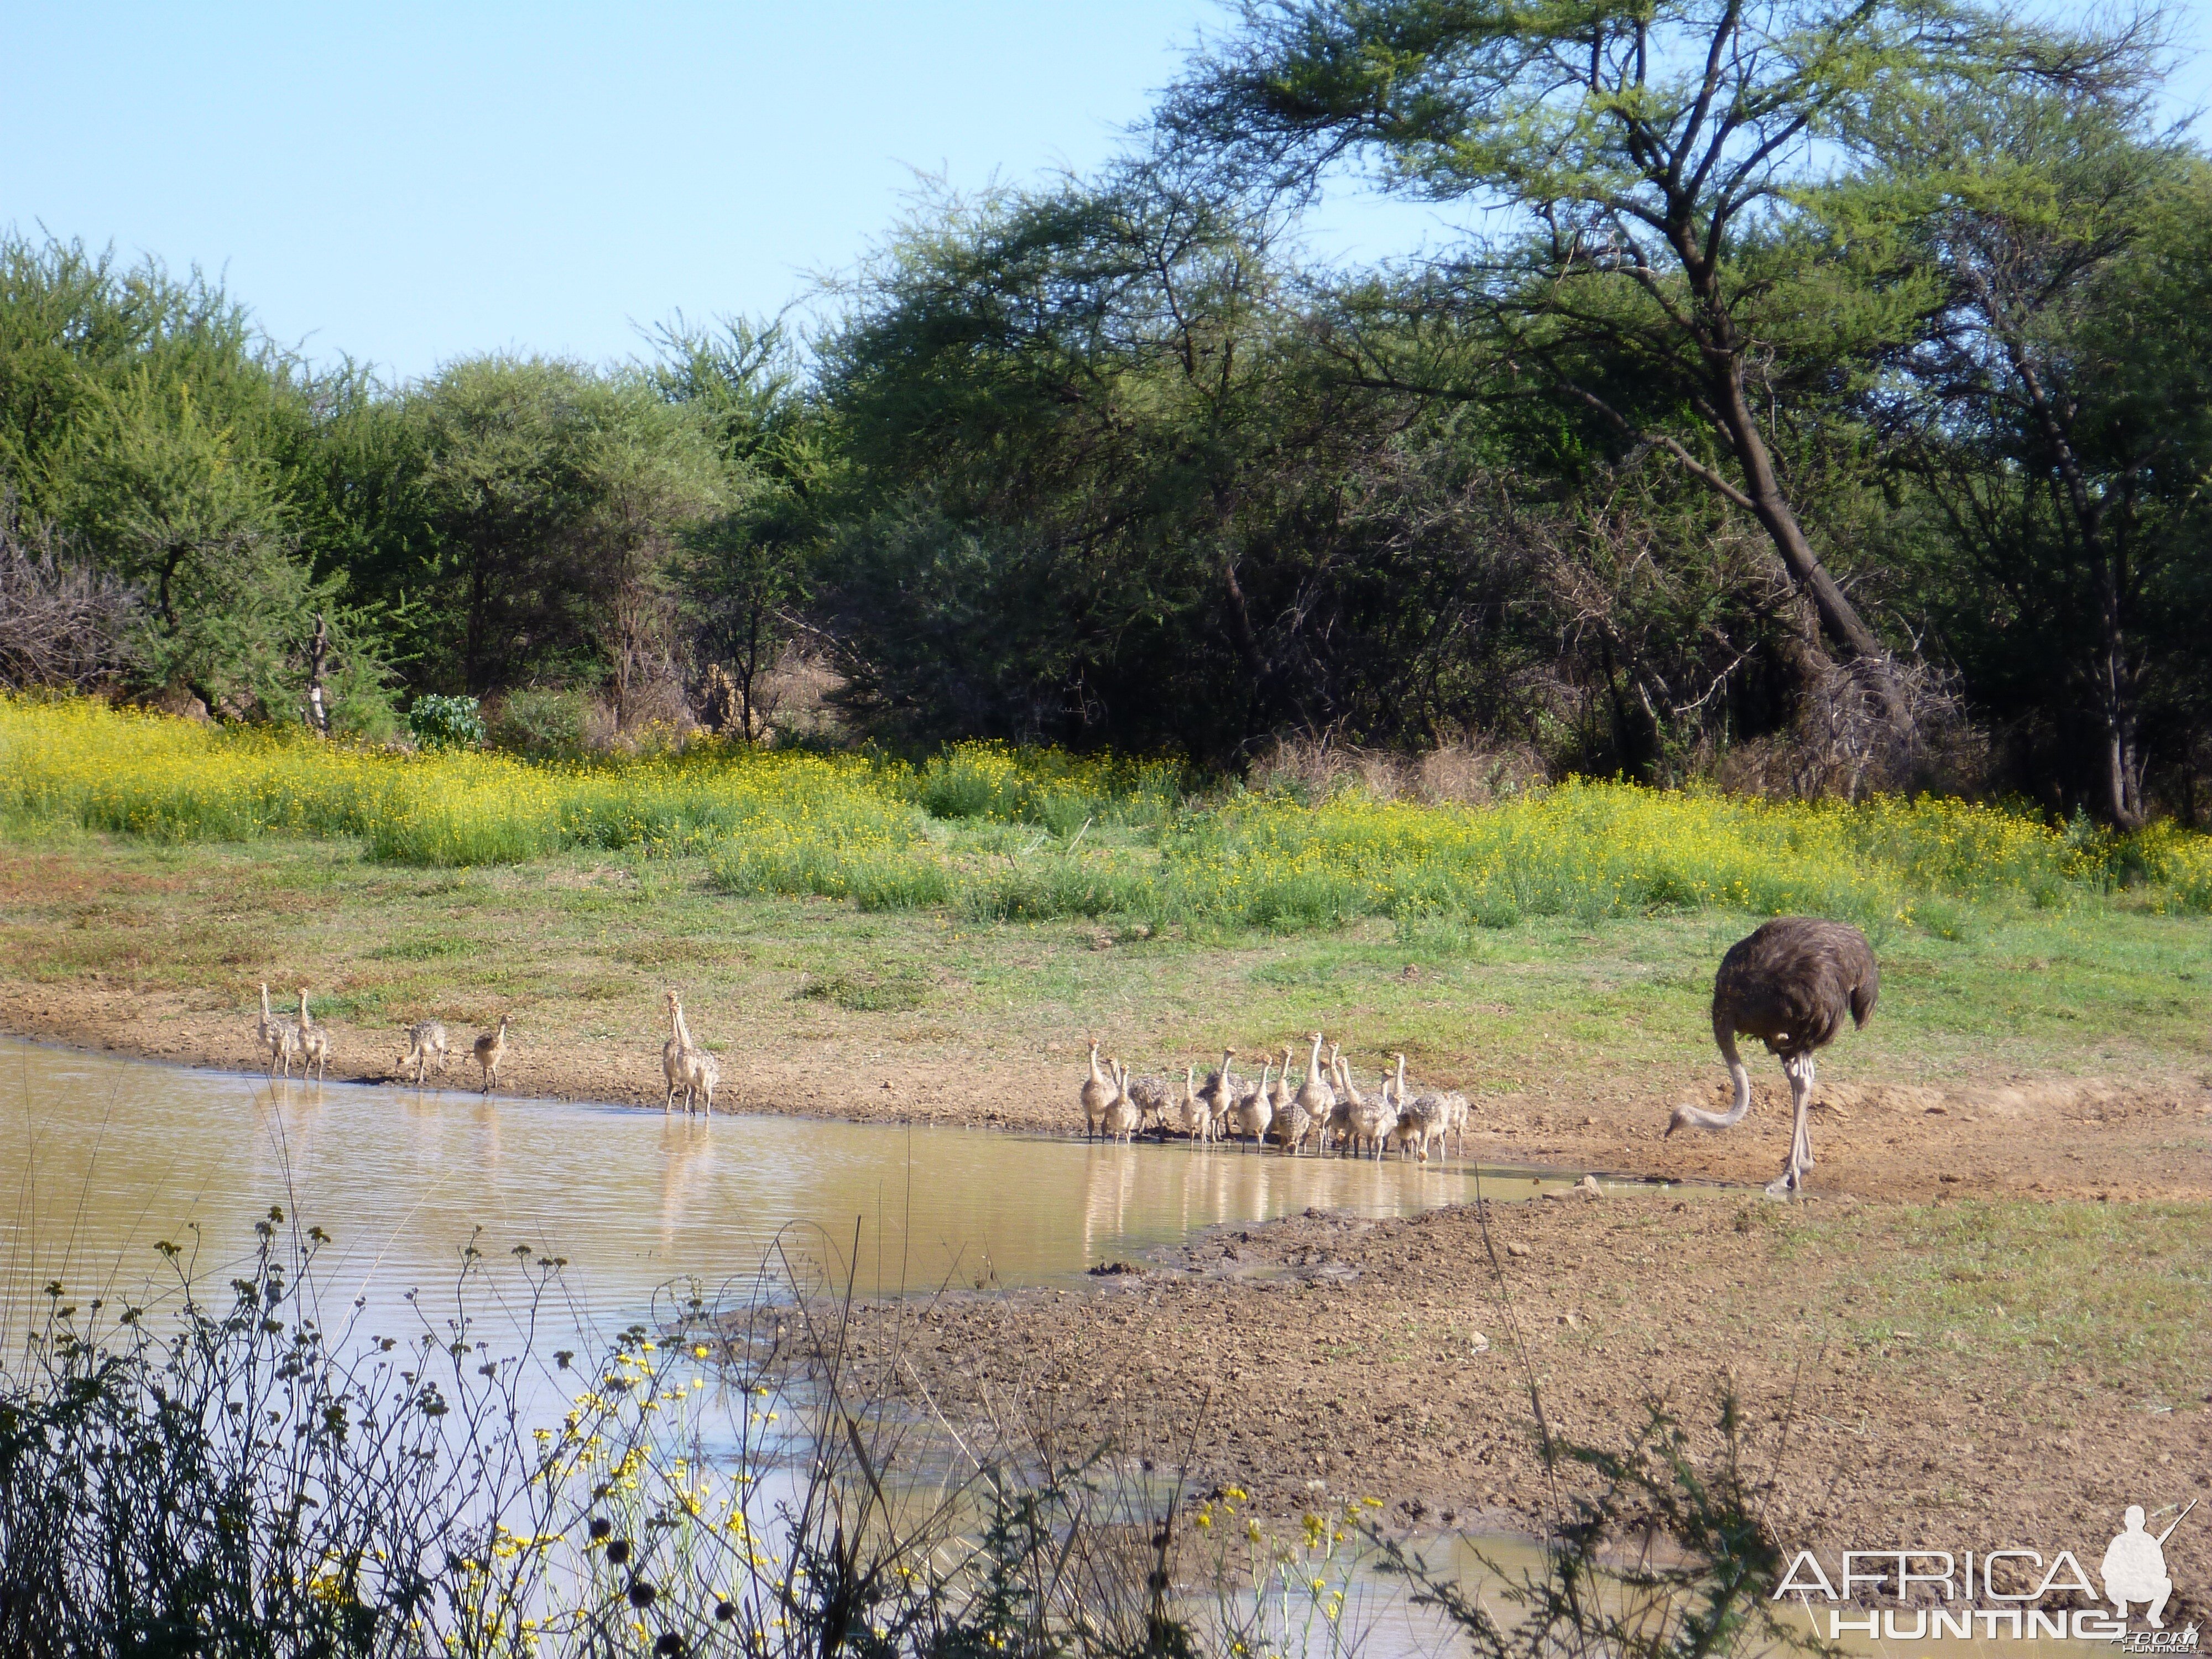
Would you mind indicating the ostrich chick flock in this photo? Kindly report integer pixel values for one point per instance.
(1791, 985)
(690, 1070)
(1327, 1108)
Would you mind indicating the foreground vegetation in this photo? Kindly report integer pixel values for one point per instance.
(1031, 836)
(224, 1473)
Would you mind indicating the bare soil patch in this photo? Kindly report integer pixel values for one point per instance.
(1399, 1360)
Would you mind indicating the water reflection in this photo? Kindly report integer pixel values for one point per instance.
(101, 1158)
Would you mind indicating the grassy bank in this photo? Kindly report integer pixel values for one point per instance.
(993, 834)
(579, 944)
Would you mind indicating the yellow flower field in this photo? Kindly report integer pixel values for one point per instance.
(1034, 835)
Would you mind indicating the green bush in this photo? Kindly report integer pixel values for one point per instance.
(546, 725)
(446, 722)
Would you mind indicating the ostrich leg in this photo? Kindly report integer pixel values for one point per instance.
(1792, 1180)
(1805, 1120)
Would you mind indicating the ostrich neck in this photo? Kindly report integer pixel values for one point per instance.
(1740, 1081)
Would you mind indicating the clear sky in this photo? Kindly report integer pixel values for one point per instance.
(409, 183)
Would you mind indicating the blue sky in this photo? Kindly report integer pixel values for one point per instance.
(409, 183)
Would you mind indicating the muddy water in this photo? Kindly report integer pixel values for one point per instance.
(101, 1157)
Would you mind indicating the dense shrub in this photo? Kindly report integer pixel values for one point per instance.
(546, 725)
(441, 722)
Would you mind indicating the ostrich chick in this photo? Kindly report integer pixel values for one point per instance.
(1789, 984)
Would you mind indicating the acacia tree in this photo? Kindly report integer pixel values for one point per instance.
(1062, 416)
(552, 500)
(177, 506)
(2059, 410)
(1649, 155)
(748, 570)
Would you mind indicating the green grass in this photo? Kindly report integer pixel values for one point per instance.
(868, 993)
(2098, 987)
(2109, 1293)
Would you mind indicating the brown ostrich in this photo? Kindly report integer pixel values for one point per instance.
(1789, 985)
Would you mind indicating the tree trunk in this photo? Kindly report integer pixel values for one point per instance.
(749, 665)
(1247, 642)
(318, 649)
(2121, 782)
(2120, 765)
(1839, 617)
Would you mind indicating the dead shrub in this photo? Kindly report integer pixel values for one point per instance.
(1846, 741)
(64, 624)
(1469, 771)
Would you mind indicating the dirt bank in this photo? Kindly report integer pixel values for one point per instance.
(1393, 1359)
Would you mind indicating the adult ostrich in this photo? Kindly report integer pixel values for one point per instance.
(1789, 984)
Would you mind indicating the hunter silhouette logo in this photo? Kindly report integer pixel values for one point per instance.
(2134, 1568)
(2012, 1593)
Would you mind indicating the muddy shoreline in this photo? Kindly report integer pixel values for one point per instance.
(2118, 1139)
(1325, 1358)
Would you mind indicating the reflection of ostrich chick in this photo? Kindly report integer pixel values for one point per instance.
(1789, 985)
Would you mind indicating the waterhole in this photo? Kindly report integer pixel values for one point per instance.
(103, 1158)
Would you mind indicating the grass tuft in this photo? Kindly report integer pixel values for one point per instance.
(868, 993)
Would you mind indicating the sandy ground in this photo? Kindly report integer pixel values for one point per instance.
(2144, 1137)
(1327, 1355)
